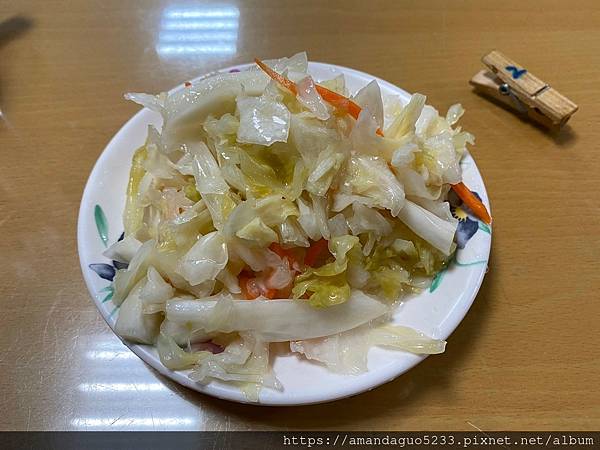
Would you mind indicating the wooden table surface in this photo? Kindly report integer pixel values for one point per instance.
(525, 357)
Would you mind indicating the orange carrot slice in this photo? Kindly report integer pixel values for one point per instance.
(282, 252)
(345, 104)
(288, 84)
(315, 250)
(251, 289)
(337, 100)
(472, 202)
(248, 288)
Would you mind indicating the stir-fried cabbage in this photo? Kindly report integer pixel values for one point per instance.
(174, 357)
(133, 324)
(287, 319)
(256, 215)
(328, 285)
(123, 250)
(126, 279)
(311, 100)
(371, 177)
(245, 362)
(347, 352)
(263, 120)
(133, 214)
(155, 292)
(205, 260)
(369, 98)
(438, 232)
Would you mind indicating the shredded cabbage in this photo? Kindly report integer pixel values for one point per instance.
(369, 98)
(126, 279)
(346, 353)
(327, 166)
(245, 360)
(123, 250)
(328, 285)
(288, 319)
(263, 120)
(372, 178)
(311, 100)
(438, 232)
(205, 260)
(251, 192)
(291, 234)
(337, 84)
(174, 357)
(308, 220)
(155, 292)
(134, 213)
(132, 323)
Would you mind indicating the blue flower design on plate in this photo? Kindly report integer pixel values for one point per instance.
(104, 270)
(468, 224)
(467, 227)
(108, 271)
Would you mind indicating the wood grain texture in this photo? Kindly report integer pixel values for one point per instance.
(525, 357)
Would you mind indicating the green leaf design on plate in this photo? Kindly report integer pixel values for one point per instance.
(474, 263)
(435, 283)
(112, 313)
(110, 294)
(101, 224)
(437, 279)
(485, 228)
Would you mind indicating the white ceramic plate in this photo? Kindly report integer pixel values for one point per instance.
(436, 312)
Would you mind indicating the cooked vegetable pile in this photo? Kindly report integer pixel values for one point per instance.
(273, 207)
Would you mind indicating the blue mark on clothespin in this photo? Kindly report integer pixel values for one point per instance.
(516, 73)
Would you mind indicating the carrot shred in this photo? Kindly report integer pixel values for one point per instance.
(351, 108)
(246, 287)
(250, 290)
(269, 293)
(472, 202)
(315, 250)
(288, 84)
(285, 253)
(279, 250)
(337, 100)
(467, 197)
(341, 102)
(285, 292)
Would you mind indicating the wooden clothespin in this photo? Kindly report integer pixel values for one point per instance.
(510, 83)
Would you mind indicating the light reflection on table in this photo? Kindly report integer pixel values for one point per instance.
(115, 392)
(198, 30)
